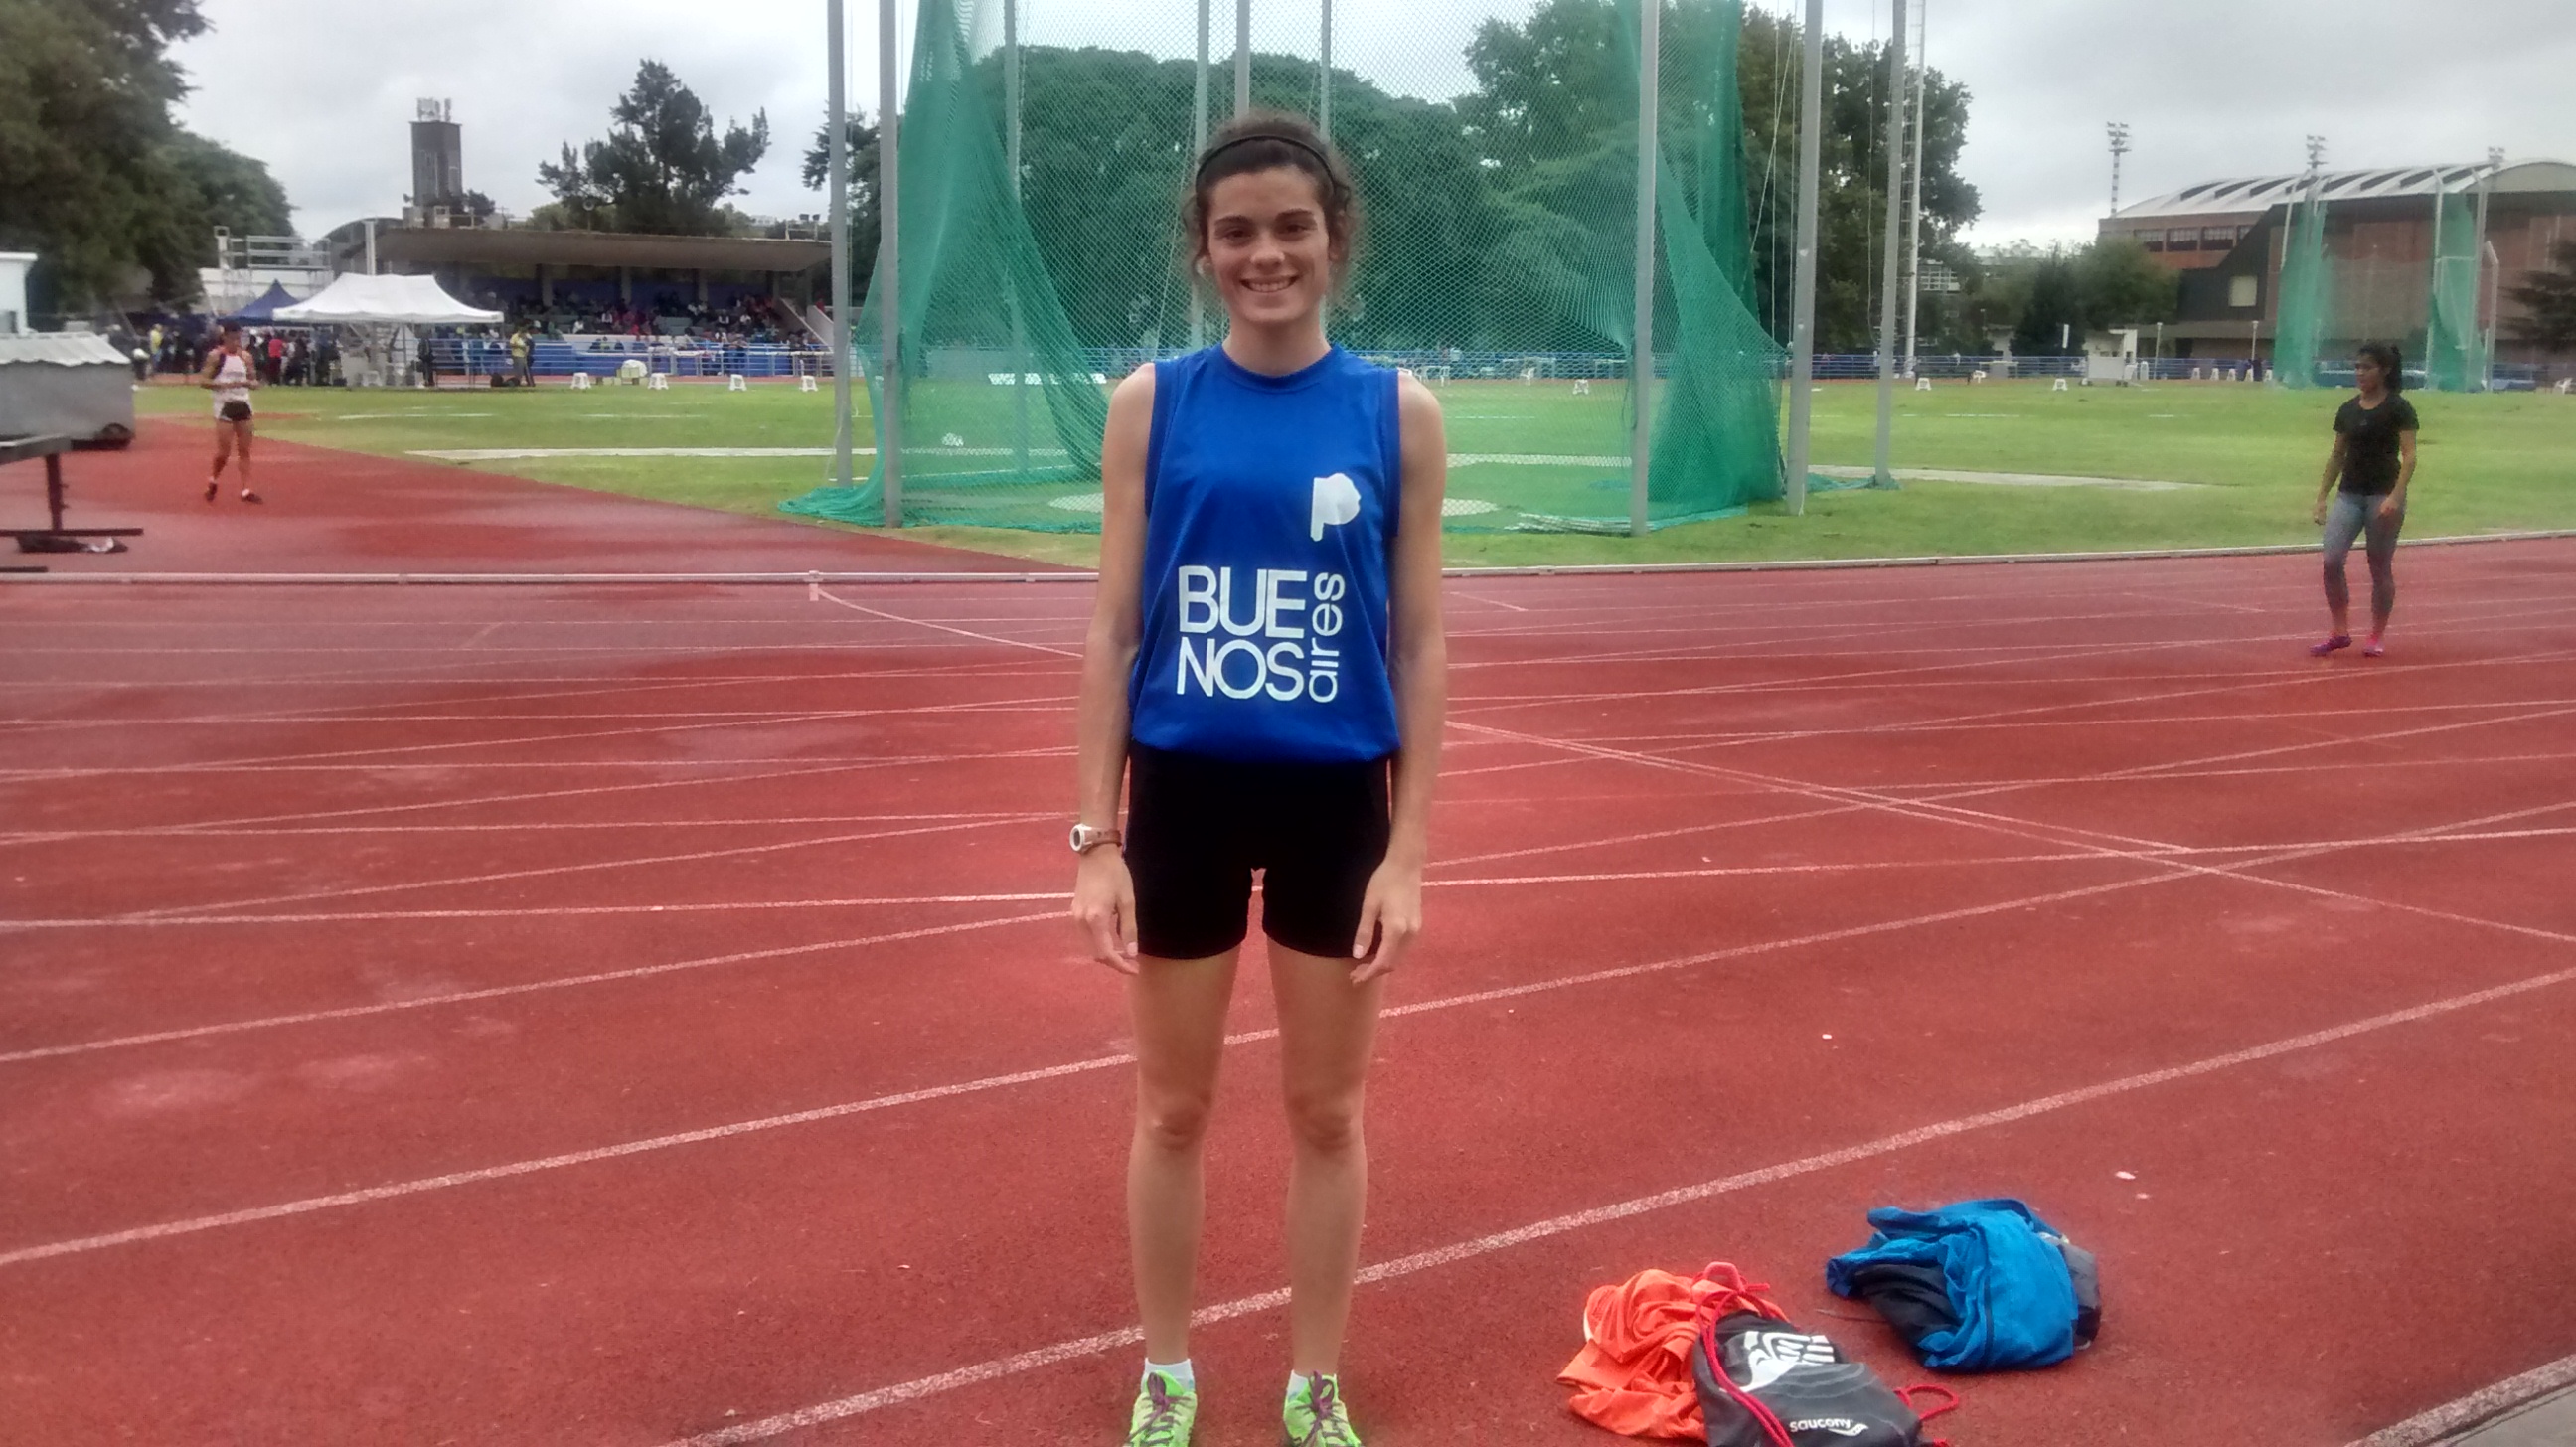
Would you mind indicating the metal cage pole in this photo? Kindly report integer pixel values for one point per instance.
(1198, 148)
(1914, 206)
(1011, 158)
(1802, 291)
(1324, 78)
(1880, 471)
(839, 180)
(1242, 56)
(889, 274)
(1641, 351)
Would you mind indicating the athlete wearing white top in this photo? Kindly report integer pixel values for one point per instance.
(230, 376)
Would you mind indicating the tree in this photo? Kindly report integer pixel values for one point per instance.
(662, 169)
(2123, 286)
(862, 140)
(94, 177)
(2052, 319)
(1852, 189)
(2549, 303)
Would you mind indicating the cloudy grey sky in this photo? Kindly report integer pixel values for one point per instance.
(323, 90)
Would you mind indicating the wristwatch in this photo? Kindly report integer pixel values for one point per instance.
(1085, 836)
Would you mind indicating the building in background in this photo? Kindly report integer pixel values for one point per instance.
(2227, 239)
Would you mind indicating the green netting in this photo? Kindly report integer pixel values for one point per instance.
(1496, 161)
(2305, 325)
(2454, 353)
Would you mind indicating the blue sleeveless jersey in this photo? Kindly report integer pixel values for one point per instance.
(1270, 509)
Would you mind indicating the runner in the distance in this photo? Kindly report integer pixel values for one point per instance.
(1266, 673)
(230, 375)
(2374, 457)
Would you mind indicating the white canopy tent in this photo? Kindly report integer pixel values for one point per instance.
(381, 310)
(358, 300)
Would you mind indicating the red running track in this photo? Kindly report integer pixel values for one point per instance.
(639, 1016)
(328, 511)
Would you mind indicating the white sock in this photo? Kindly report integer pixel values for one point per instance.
(1178, 1371)
(1307, 1380)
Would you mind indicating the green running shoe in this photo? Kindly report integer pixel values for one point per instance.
(1314, 1415)
(1165, 1412)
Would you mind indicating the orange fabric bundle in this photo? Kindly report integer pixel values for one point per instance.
(1633, 1375)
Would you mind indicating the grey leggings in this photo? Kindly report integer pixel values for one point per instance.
(2350, 515)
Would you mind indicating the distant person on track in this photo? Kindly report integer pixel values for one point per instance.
(1266, 673)
(2374, 461)
(230, 375)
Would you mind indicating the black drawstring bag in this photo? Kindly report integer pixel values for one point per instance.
(1765, 1383)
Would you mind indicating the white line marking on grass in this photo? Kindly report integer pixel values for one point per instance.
(497, 992)
(1082, 1347)
(2468, 1411)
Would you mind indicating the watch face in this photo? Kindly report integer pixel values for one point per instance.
(1075, 839)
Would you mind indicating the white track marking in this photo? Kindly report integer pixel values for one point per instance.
(583, 736)
(1079, 1348)
(549, 871)
(2167, 871)
(2468, 1411)
(497, 992)
(528, 826)
(829, 597)
(2145, 850)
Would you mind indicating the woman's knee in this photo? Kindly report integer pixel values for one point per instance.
(1173, 1120)
(1326, 1122)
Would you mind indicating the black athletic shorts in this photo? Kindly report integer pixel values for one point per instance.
(1198, 826)
(236, 412)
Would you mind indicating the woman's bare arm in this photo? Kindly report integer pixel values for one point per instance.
(1104, 897)
(1419, 663)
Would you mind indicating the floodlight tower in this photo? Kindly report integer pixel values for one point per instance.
(2119, 147)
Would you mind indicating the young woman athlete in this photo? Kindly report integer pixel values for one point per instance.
(230, 375)
(2374, 456)
(1265, 671)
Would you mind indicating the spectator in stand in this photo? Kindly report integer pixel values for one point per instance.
(428, 363)
(299, 362)
(520, 348)
(275, 350)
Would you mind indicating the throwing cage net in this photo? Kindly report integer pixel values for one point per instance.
(2306, 326)
(2454, 354)
(1043, 160)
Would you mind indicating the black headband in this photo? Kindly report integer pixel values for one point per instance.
(1210, 158)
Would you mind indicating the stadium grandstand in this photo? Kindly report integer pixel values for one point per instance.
(2229, 240)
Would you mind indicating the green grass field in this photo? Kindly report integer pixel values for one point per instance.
(2489, 463)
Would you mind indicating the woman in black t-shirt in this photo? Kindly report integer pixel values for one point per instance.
(2374, 459)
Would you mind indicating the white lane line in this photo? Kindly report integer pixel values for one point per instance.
(2468, 1411)
(583, 736)
(496, 992)
(553, 870)
(223, 831)
(2167, 872)
(2145, 850)
(827, 596)
(1081, 1347)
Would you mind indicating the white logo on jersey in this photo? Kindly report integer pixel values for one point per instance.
(1337, 501)
(1769, 1355)
(1302, 663)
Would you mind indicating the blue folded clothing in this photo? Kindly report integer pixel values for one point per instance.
(1974, 1287)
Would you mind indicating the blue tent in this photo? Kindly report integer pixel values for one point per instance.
(265, 308)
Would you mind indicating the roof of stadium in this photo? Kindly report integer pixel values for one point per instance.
(2253, 195)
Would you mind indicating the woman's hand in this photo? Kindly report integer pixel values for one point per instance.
(1104, 906)
(2318, 514)
(2391, 505)
(1390, 918)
